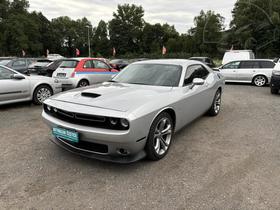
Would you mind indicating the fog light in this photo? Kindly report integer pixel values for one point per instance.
(124, 123)
(113, 121)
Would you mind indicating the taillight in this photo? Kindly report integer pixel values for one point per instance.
(73, 74)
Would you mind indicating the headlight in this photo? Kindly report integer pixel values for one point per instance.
(49, 108)
(124, 123)
(276, 73)
(113, 121)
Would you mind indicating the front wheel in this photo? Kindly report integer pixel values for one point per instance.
(216, 105)
(260, 81)
(42, 93)
(160, 137)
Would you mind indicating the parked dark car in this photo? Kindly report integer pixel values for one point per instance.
(275, 82)
(208, 61)
(119, 64)
(44, 67)
(18, 64)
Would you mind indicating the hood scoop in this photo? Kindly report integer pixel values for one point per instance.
(90, 95)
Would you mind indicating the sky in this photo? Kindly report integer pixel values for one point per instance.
(174, 12)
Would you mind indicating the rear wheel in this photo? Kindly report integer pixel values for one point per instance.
(83, 83)
(274, 91)
(260, 81)
(216, 105)
(42, 93)
(160, 137)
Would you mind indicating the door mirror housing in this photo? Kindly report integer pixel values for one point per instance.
(17, 77)
(197, 82)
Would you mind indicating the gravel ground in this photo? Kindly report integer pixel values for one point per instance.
(228, 162)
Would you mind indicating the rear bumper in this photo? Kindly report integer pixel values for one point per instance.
(69, 83)
(275, 82)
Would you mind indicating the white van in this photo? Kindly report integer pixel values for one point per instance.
(236, 55)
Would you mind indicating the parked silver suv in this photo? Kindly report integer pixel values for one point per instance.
(257, 71)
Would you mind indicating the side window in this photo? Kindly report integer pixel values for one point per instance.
(232, 65)
(249, 65)
(267, 65)
(195, 71)
(5, 73)
(101, 65)
(19, 63)
(89, 64)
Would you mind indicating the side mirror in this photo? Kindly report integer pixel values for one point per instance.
(17, 77)
(197, 82)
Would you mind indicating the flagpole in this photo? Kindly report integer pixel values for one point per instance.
(88, 42)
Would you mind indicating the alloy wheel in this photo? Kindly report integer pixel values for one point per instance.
(162, 136)
(43, 94)
(260, 81)
(217, 103)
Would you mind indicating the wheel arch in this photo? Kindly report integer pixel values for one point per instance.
(85, 79)
(41, 84)
(260, 74)
(171, 112)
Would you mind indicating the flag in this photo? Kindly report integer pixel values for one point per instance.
(164, 50)
(232, 48)
(114, 52)
(77, 52)
(48, 52)
(23, 53)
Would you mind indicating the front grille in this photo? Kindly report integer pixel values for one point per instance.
(94, 147)
(83, 119)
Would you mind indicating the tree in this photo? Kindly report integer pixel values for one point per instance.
(207, 32)
(255, 26)
(100, 40)
(125, 29)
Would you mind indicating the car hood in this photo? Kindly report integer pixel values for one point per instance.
(114, 96)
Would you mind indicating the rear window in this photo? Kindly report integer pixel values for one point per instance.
(69, 64)
(249, 65)
(267, 64)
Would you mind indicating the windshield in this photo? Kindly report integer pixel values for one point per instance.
(150, 74)
(69, 64)
(4, 62)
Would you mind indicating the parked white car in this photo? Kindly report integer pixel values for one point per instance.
(236, 55)
(17, 87)
(258, 71)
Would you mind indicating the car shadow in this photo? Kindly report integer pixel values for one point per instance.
(17, 106)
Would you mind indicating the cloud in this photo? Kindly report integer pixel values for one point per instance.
(176, 12)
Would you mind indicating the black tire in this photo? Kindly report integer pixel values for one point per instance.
(150, 145)
(46, 90)
(213, 111)
(83, 83)
(274, 91)
(260, 80)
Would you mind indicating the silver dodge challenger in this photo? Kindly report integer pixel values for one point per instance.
(136, 114)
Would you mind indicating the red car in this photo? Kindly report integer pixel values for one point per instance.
(81, 72)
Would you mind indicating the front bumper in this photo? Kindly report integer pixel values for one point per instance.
(275, 82)
(113, 141)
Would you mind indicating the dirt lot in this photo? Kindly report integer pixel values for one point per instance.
(228, 162)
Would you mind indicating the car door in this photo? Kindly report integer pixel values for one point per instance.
(102, 71)
(198, 99)
(12, 89)
(247, 70)
(229, 70)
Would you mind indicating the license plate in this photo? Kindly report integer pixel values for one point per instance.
(68, 135)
